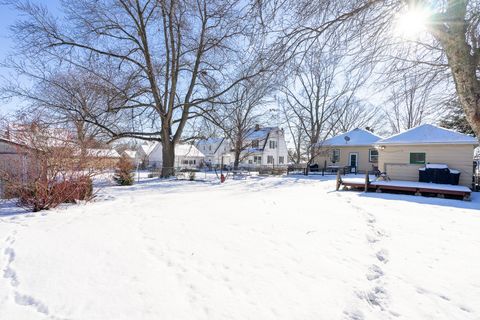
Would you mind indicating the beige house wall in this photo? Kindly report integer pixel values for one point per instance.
(395, 160)
(364, 164)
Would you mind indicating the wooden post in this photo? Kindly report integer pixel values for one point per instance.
(367, 181)
(339, 180)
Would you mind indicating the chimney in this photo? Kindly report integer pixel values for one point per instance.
(257, 127)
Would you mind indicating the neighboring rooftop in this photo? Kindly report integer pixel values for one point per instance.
(429, 134)
(130, 153)
(187, 150)
(148, 147)
(102, 153)
(259, 133)
(212, 140)
(355, 137)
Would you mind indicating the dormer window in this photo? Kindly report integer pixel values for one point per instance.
(255, 144)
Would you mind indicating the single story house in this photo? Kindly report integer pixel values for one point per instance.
(402, 155)
(353, 149)
(186, 156)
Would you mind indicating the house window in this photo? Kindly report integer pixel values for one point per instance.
(270, 159)
(209, 148)
(184, 161)
(417, 157)
(373, 155)
(257, 159)
(250, 161)
(255, 144)
(336, 155)
(272, 144)
(281, 160)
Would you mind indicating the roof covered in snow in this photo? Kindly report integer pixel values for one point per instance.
(130, 153)
(188, 150)
(429, 134)
(102, 153)
(260, 133)
(147, 148)
(209, 141)
(355, 137)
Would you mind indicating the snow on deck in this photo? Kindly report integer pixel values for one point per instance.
(261, 248)
(408, 184)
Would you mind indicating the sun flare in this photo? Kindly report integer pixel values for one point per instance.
(412, 22)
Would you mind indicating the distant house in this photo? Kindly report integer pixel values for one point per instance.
(12, 161)
(186, 156)
(143, 152)
(401, 155)
(131, 155)
(350, 149)
(102, 158)
(265, 146)
(214, 150)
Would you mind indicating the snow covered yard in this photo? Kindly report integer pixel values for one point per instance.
(261, 248)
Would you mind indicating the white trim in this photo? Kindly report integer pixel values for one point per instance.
(350, 158)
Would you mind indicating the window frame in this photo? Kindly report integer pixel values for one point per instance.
(281, 160)
(415, 161)
(270, 158)
(370, 155)
(272, 144)
(335, 155)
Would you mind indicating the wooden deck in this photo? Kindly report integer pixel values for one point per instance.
(417, 188)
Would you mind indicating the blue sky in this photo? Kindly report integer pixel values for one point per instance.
(7, 17)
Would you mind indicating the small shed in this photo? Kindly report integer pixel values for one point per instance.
(353, 149)
(402, 155)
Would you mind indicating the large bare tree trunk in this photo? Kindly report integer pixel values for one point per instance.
(168, 156)
(463, 68)
(463, 60)
(236, 161)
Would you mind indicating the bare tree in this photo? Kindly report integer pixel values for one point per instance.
(449, 43)
(358, 114)
(169, 56)
(317, 96)
(246, 107)
(412, 102)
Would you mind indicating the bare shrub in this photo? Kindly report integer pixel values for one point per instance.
(45, 168)
(124, 174)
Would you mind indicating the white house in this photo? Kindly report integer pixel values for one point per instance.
(186, 155)
(131, 155)
(266, 146)
(214, 150)
(142, 153)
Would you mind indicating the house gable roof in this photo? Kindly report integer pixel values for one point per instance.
(428, 134)
(355, 137)
(188, 150)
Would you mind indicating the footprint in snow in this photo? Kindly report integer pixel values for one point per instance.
(374, 272)
(26, 300)
(382, 255)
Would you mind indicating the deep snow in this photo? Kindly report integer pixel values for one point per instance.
(260, 248)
